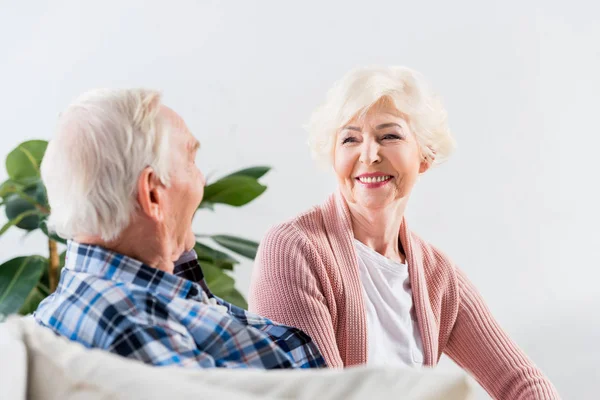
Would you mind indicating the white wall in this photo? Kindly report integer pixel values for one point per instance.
(516, 207)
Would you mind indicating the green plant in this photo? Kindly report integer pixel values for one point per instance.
(27, 280)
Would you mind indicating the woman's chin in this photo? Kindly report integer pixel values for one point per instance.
(374, 202)
(371, 199)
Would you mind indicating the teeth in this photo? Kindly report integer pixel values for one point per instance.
(375, 179)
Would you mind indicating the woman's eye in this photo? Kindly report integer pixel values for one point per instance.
(348, 140)
(391, 136)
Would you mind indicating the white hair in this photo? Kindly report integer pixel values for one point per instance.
(103, 142)
(362, 88)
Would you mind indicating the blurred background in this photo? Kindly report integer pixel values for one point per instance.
(516, 206)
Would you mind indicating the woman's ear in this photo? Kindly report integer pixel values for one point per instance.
(427, 160)
(149, 194)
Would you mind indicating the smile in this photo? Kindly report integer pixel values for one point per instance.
(370, 180)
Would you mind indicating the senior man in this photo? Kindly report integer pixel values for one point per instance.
(123, 187)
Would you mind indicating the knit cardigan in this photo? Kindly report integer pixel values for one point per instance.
(306, 275)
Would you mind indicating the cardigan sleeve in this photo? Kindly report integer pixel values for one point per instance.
(479, 345)
(285, 288)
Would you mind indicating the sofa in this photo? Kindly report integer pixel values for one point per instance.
(37, 364)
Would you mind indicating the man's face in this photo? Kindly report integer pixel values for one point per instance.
(186, 188)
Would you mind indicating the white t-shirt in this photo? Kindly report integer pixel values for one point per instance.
(392, 331)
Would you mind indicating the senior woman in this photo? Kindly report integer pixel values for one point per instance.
(353, 275)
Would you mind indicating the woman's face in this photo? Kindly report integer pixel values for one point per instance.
(377, 158)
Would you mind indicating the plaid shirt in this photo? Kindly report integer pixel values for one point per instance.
(109, 301)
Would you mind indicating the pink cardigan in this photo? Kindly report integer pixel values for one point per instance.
(306, 275)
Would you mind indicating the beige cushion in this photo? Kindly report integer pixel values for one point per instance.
(13, 366)
(60, 369)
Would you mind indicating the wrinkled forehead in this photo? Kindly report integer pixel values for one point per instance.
(173, 119)
(180, 132)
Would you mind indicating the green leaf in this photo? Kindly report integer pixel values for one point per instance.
(21, 201)
(233, 190)
(44, 280)
(18, 219)
(222, 285)
(236, 298)
(253, 172)
(244, 247)
(11, 186)
(41, 196)
(25, 160)
(18, 277)
(218, 281)
(206, 204)
(23, 195)
(208, 253)
(32, 301)
(219, 258)
(53, 236)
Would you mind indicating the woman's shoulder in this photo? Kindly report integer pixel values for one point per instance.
(299, 242)
(435, 261)
(301, 227)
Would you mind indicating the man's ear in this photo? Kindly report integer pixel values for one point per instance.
(149, 194)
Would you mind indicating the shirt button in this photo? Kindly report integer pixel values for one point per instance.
(193, 292)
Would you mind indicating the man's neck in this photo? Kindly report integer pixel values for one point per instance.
(132, 243)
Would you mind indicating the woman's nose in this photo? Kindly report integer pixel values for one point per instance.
(370, 153)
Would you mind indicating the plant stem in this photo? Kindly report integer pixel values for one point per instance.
(44, 289)
(54, 261)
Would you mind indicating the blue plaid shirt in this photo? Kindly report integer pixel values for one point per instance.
(109, 301)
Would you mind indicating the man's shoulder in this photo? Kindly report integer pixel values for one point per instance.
(93, 311)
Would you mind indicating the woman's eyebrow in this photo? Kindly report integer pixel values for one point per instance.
(388, 125)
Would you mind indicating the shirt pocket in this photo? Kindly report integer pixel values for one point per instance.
(417, 344)
(417, 356)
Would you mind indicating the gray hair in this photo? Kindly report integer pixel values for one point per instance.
(361, 89)
(103, 142)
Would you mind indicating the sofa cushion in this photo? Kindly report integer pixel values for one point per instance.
(61, 369)
(13, 365)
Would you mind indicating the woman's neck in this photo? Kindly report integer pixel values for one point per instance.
(379, 228)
